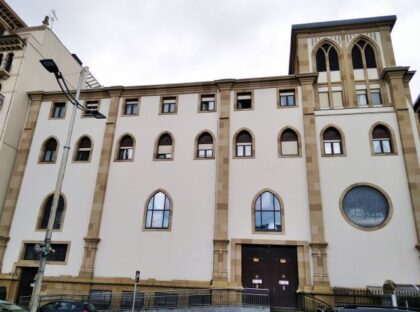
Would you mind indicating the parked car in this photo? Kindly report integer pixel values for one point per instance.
(67, 306)
(356, 308)
(6, 306)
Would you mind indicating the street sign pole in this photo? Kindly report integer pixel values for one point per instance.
(136, 280)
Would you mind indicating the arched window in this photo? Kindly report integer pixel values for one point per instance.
(205, 146)
(165, 147)
(49, 151)
(382, 143)
(46, 211)
(9, 61)
(289, 143)
(327, 57)
(158, 211)
(244, 144)
(267, 213)
(84, 148)
(363, 55)
(332, 142)
(126, 148)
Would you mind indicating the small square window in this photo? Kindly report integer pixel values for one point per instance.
(376, 97)
(92, 106)
(361, 98)
(59, 110)
(131, 107)
(287, 98)
(208, 103)
(168, 105)
(244, 100)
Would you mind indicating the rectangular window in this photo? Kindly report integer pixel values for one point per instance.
(324, 101)
(361, 98)
(166, 299)
(208, 103)
(58, 110)
(131, 107)
(376, 97)
(287, 98)
(244, 100)
(58, 253)
(332, 148)
(127, 300)
(92, 106)
(168, 105)
(337, 99)
(101, 299)
(243, 150)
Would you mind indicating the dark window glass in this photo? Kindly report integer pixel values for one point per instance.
(165, 147)
(58, 110)
(92, 107)
(356, 57)
(168, 105)
(287, 97)
(365, 206)
(50, 148)
(332, 142)
(267, 213)
(58, 254)
(200, 298)
(131, 107)
(207, 103)
(166, 299)
(333, 59)
(83, 150)
(243, 144)
(244, 100)
(205, 146)
(158, 211)
(381, 140)
(126, 148)
(288, 135)
(127, 300)
(9, 62)
(370, 57)
(321, 64)
(47, 211)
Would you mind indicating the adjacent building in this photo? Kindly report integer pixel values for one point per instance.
(21, 48)
(305, 181)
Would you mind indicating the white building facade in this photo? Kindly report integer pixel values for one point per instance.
(307, 181)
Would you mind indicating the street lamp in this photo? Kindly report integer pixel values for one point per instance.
(44, 249)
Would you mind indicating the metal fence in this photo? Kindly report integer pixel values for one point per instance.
(180, 299)
(360, 297)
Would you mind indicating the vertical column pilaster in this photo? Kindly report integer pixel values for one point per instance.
(396, 77)
(17, 173)
(221, 240)
(92, 238)
(318, 244)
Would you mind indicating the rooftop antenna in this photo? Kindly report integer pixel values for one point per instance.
(53, 17)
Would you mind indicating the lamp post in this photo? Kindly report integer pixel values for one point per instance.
(44, 249)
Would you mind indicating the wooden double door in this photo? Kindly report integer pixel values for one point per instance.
(274, 268)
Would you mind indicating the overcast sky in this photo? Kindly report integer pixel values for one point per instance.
(132, 42)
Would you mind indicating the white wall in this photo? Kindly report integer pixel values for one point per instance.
(184, 252)
(355, 257)
(40, 179)
(285, 176)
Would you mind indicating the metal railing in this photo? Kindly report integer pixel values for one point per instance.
(360, 297)
(178, 299)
